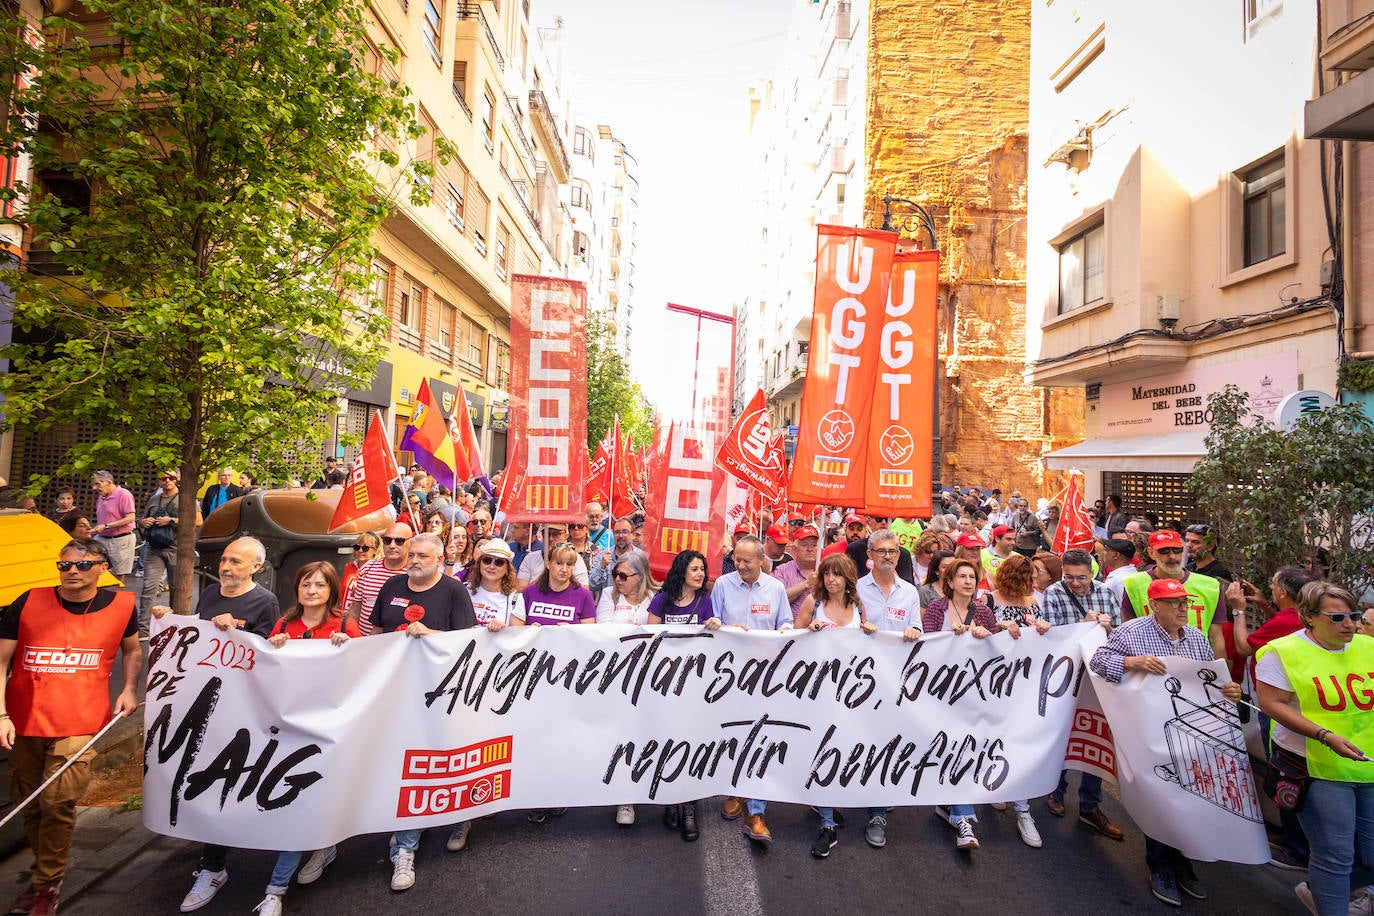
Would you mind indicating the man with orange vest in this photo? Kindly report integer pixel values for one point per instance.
(62, 642)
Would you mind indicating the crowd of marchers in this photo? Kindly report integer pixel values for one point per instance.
(1298, 645)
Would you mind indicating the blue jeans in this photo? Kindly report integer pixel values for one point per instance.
(958, 811)
(828, 814)
(1089, 791)
(1338, 818)
(755, 806)
(404, 839)
(287, 863)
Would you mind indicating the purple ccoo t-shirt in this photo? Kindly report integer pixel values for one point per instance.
(572, 605)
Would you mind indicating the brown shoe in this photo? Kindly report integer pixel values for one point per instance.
(756, 830)
(1055, 803)
(734, 807)
(1098, 821)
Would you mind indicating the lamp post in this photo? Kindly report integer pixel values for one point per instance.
(921, 218)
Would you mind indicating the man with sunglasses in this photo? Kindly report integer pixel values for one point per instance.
(373, 575)
(1204, 592)
(1201, 542)
(62, 642)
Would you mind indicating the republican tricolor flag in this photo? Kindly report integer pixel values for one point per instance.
(427, 437)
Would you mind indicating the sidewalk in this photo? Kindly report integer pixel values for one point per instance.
(107, 841)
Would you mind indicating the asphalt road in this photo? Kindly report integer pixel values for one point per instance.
(584, 863)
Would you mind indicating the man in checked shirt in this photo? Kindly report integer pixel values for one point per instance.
(1140, 644)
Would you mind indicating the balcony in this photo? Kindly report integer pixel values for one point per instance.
(519, 129)
(1345, 112)
(472, 12)
(1348, 42)
(546, 125)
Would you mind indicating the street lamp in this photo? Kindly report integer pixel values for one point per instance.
(922, 218)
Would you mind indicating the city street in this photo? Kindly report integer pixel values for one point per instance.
(584, 863)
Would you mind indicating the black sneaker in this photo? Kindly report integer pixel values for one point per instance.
(1165, 888)
(1188, 883)
(825, 841)
(1284, 858)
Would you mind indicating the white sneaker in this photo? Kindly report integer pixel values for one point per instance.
(315, 865)
(204, 889)
(403, 871)
(458, 840)
(1362, 903)
(966, 839)
(1025, 825)
(625, 815)
(270, 906)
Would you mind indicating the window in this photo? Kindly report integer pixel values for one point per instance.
(489, 121)
(1263, 205)
(409, 317)
(583, 144)
(580, 195)
(471, 345)
(480, 205)
(1082, 260)
(442, 348)
(433, 29)
(502, 251)
(1256, 11)
(460, 85)
(503, 366)
(580, 245)
(374, 301)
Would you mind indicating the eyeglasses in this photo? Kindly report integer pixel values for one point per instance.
(167, 477)
(396, 541)
(1341, 618)
(1169, 551)
(625, 532)
(577, 525)
(358, 547)
(622, 576)
(1068, 578)
(885, 552)
(83, 565)
(493, 561)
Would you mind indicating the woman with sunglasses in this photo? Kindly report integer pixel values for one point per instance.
(834, 602)
(317, 614)
(495, 600)
(1314, 685)
(365, 549)
(627, 601)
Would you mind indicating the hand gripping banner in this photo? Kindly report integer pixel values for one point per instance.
(548, 409)
(853, 274)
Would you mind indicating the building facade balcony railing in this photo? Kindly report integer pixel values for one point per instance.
(468, 10)
(545, 123)
(519, 131)
(462, 102)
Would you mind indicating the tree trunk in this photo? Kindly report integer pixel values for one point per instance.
(188, 504)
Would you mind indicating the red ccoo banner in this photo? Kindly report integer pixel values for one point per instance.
(898, 476)
(689, 491)
(853, 271)
(548, 398)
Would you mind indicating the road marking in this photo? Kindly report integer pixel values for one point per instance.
(731, 885)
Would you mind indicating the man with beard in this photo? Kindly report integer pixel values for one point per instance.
(1204, 592)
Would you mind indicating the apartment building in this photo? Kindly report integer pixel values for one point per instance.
(1178, 228)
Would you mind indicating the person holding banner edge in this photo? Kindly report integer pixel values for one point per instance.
(1139, 645)
(51, 709)
(1314, 685)
(749, 600)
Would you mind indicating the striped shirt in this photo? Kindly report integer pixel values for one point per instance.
(371, 578)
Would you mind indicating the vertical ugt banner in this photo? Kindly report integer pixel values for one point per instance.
(853, 273)
(897, 481)
(548, 409)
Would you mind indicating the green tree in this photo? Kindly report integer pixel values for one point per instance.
(611, 390)
(208, 188)
(1274, 493)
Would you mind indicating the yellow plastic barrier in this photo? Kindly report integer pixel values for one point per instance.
(29, 546)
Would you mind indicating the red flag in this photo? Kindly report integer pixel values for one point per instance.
(1075, 528)
(688, 492)
(853, 277)
(898, 477)
(369, 480)
(598, 485)
(622, 488)
(548, 397)
(751, 453)
(466, 455)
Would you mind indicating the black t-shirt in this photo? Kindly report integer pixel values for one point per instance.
(9, 619)
(445, 605)
(256, 610)
(858, 552)
(1216, 569)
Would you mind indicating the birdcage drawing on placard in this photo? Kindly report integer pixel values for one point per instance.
(1207, 752)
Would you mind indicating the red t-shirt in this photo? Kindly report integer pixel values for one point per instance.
(297, 629)
(1282, 623)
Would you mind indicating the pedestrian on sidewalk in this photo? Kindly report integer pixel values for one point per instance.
(57, 699)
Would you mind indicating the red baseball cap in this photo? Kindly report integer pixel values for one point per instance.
(1001, 530)
(969, 539)
(1166, 588)
(804, 532)
(1165, 538)
(854, 520)
(743, 528)
(778, 535)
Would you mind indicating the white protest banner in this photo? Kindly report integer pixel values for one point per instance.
(1181, 761)
(299, 747)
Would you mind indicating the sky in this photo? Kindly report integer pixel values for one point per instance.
(672, 80)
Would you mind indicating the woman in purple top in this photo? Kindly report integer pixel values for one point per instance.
(960, 611)
(684, 599)
(554, 599)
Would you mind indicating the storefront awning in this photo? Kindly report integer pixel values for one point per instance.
(1169, 453)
